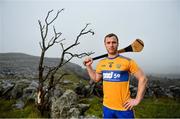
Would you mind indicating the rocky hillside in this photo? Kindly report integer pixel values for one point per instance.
(18, 81)
(72, 97)
(23, 65)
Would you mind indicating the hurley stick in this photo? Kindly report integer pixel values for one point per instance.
(136, 46)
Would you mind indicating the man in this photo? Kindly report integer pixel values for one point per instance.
(115, 71)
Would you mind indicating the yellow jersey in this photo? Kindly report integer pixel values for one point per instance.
(116, 73)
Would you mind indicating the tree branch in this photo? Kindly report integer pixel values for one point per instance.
(48, 16)
(40, 45)
(80, 55)
(53, 40)
(49, 73)
(56, 16)
(77, 38)
(62, 77)
(42, 36)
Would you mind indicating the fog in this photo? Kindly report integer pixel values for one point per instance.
(156, 22)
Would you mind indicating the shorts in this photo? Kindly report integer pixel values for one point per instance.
(109, 113)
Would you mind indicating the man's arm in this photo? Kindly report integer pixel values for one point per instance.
(93, 75)
(142, 82)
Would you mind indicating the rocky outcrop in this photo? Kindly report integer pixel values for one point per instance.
(90, 89)
(155, 90)
(5, 87)
(64, 103)
(67, 106)
(19, 88)
(174, 92)
(22, 90)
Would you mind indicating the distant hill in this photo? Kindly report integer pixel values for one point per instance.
(20, 64)
(24, 65)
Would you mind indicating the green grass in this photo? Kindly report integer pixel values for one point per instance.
(6, 110)
(95, 107)
(148, 108)
(72, 78)
(158, 108)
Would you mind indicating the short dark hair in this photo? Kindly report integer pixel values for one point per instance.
(111, 35)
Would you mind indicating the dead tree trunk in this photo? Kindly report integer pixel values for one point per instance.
(45, 44)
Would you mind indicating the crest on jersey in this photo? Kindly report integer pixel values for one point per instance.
(110, 64)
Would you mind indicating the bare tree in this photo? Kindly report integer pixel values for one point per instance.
(45, 44)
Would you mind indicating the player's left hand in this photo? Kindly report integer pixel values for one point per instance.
(131, 103)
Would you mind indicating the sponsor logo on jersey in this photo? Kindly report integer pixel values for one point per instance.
(115, 76)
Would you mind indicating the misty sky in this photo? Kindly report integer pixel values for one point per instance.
(156, 22)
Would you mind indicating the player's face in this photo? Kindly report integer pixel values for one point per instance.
(111, 44)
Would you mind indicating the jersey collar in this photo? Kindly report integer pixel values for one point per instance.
(113, 57)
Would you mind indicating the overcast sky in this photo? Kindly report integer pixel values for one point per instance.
(156, 22)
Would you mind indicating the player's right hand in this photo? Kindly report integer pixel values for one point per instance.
(88, 61)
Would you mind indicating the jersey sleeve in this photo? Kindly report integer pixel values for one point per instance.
(133, 67)
(98, 68)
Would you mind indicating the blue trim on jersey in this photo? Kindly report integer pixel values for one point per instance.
(110, 113)
(115, 76)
